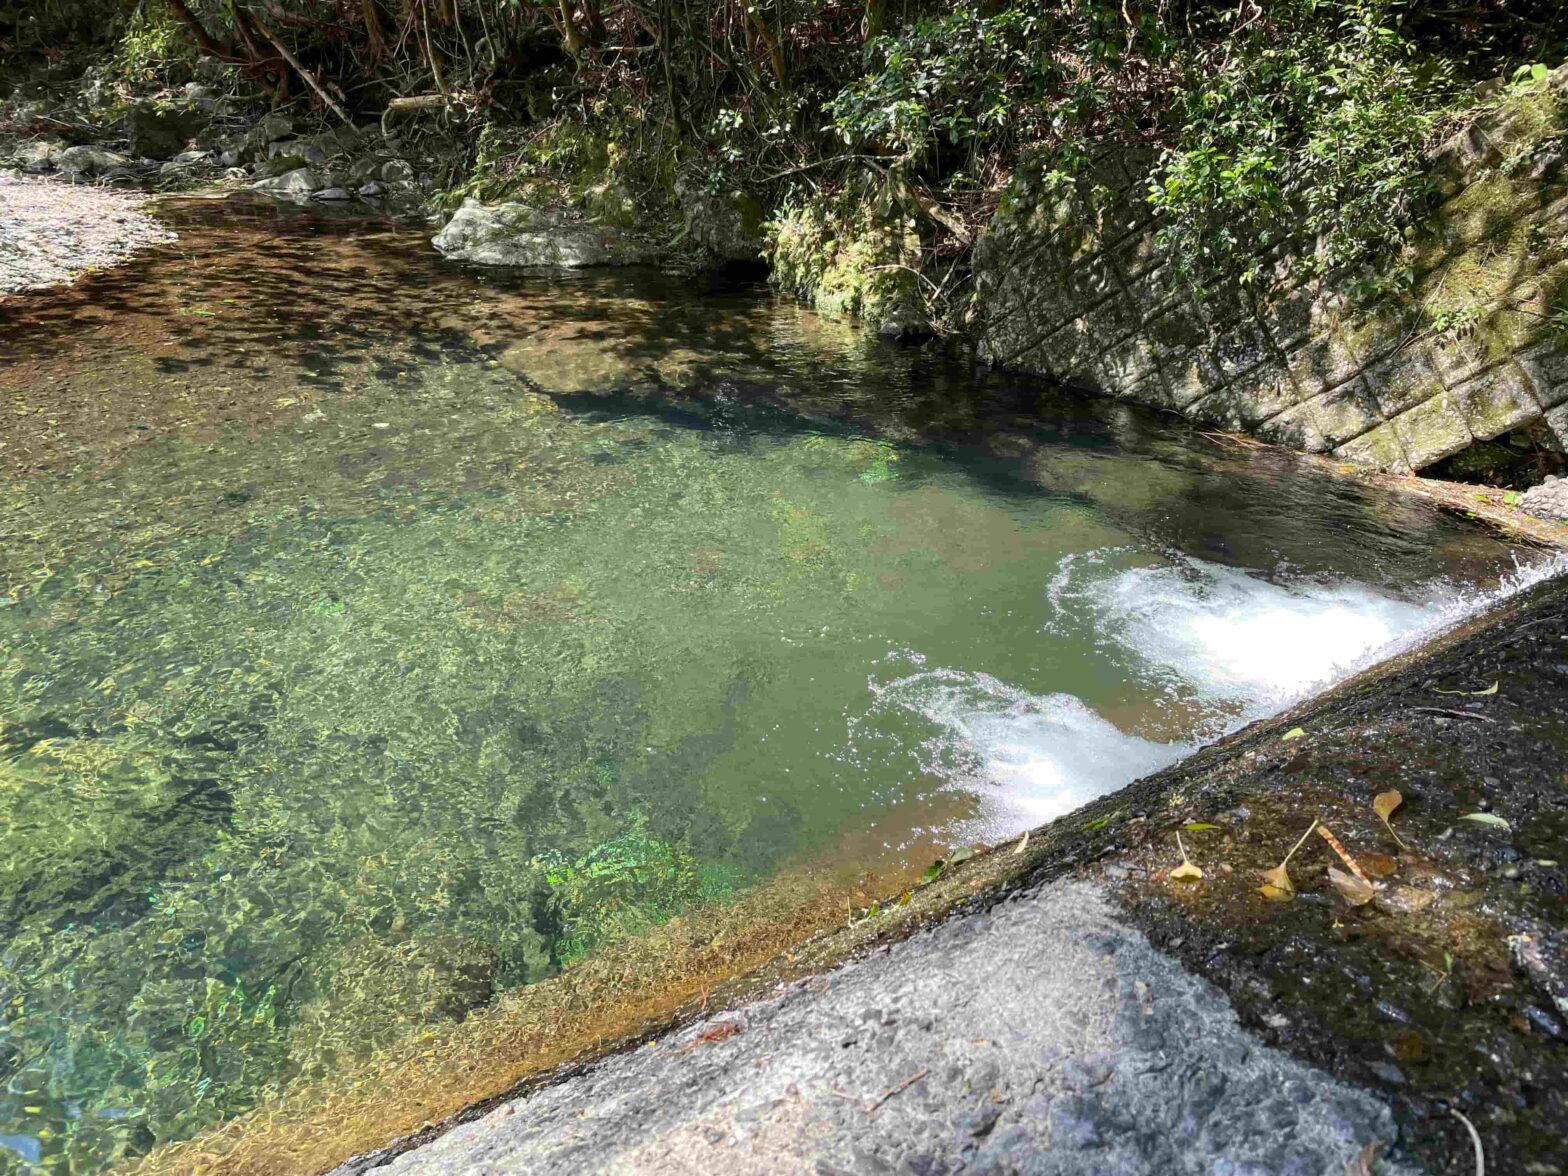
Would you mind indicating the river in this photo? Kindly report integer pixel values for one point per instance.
(377, 636)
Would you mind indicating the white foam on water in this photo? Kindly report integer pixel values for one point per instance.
(1032, 757)
(1234, 636)
(1243, 646)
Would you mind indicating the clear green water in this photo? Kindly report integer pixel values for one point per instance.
(520, 615)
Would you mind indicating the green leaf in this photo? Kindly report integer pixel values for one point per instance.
(1487, 819)
(1293, 733)
(1198, 826)
(933, 872)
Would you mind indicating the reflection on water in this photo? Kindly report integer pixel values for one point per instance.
(377, 636)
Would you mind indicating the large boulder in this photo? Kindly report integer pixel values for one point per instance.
(88, 160)
(726, 225)
(292, 185)
(521, 235)
(270, 129)
(158, 131)
(39, 156)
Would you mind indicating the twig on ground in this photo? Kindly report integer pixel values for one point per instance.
(1458, 714)
(899, 1089)
(870, 1105)
(1475, 1139)
(1235, 439)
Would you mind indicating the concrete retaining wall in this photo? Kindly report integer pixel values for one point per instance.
(1071, 285)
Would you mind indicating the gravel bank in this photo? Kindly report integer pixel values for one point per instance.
(52, 232)
(1045, 1036)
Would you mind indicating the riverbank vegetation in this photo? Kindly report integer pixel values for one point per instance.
(877, 135)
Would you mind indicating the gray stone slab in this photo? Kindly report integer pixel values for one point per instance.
(1045, 1036)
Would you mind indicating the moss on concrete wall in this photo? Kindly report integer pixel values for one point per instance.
(1462, 339)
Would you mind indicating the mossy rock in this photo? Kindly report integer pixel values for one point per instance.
(850, 261)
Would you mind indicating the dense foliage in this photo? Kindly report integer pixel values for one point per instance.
(1305, 118)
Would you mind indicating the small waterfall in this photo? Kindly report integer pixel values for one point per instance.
(1226, 646)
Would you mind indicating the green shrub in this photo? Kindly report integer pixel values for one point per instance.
(1320, 133)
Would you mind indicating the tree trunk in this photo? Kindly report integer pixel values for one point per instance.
(199, 33)
(373, 30)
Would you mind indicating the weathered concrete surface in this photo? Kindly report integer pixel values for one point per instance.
(1043, 1036)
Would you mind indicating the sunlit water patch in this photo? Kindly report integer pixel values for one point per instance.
(376, 638)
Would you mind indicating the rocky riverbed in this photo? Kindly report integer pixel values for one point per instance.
(51, 233)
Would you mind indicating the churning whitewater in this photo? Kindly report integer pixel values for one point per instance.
(1222, 646)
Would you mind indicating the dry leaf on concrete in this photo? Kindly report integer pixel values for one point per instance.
(1355, 891)
(1384, 805)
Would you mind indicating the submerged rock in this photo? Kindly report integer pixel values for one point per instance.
(520, 235)
(377, 991)
(1549, 500)
(905, 324)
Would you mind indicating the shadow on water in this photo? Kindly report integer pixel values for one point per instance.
(377, 636)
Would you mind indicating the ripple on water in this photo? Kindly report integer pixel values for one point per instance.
(378, 637)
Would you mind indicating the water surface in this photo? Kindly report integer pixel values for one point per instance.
(375, 636)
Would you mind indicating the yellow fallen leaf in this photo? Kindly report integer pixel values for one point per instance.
(1293, 733)
(1277, 879)
(1384, 804)
(1276, 882)
(1355, 891)
(1492, 689)
(1186, 869)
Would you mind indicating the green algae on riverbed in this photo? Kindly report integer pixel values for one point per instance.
(394, 683)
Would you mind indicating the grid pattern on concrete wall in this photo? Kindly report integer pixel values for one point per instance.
(1070, 284)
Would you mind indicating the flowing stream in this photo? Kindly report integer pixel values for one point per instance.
(376, 636)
